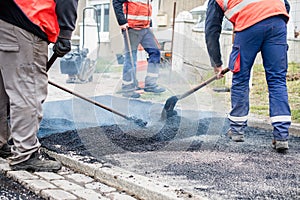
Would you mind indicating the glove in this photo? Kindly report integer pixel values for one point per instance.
(62, 47)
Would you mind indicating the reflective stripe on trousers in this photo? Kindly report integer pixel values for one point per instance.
(146, 38)
(269, 37)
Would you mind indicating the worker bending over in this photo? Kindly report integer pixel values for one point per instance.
(259, 26)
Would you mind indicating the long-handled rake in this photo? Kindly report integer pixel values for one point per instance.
(137, 121)
(133, 74)
(168, 109)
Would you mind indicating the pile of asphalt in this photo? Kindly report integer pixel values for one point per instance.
(217, 167)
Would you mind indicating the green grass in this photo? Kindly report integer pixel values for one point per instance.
(259, 101)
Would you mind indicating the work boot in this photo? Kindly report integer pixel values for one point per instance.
(71, 79)
(5, 151)
(129, 88)
(129, 91)
(132, 94)
(280, 146)
(236, 137)
(38, 163)
(154, 89)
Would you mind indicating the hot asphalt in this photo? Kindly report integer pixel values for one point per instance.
(187, 156)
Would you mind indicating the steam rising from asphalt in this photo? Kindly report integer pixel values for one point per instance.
(176, 79)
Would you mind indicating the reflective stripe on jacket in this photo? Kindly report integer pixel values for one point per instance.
(241, 12)
(138, 13)
(42, 13)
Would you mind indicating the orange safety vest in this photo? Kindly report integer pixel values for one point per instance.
(245, 13)
(138, 13)
(42, 13)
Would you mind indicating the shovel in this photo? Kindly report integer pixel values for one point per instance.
(137, 121)
(168, 110)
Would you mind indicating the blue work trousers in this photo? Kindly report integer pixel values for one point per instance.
(270, 38)
(146, 38)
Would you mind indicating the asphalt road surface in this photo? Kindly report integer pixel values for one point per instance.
(194, 156)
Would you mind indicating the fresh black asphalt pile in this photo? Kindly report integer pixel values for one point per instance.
(215, 166)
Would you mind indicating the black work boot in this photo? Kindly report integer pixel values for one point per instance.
(235, 136)
(155, 89)
(131, 95)
(5, 151)
(280, 146)
(38, 163)
(129, 91)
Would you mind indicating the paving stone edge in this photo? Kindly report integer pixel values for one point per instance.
(134, 184)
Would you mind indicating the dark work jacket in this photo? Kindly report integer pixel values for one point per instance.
(213, 28)
(66, 11)
(118, 7)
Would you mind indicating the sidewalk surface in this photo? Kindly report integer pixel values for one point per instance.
(173, 172)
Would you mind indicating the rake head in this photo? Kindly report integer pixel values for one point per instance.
(168, 110)
(138, 122)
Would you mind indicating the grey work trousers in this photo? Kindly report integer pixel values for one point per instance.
(23, 88)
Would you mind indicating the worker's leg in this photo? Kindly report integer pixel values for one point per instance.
(245, 48)
(23, 67)
(4, 112)
(274, 53)
(150, 45)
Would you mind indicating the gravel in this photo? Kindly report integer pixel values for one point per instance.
(195, 156)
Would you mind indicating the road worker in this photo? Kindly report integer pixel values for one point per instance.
(259, 26)
(26, 29)
(134, 18)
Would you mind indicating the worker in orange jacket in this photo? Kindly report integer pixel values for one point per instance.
(259, 26)
(26, 29)
(134, 18)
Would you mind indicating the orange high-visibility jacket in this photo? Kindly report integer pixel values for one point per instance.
(138, 13)
(245, 13)
(42, 13)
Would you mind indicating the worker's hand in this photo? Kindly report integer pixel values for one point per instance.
(124, 26)
(62, 47)
(218, 71)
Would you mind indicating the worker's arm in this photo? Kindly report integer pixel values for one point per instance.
(213, 28)
(287, 6)
(118, 8)
(66, 11)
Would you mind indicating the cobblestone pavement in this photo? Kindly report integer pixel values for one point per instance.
(12, 190)
(66, 184)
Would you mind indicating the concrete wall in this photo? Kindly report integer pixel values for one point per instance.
(167, 7)
(113, 44)
(190, 47)
(190, 52)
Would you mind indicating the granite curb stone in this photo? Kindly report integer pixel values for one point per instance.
(66, 184)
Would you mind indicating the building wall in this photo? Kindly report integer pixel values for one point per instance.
(116, 38)
(184, 30)
(167, 6)
(295, 12)
(190, 52)
(81, 5)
